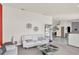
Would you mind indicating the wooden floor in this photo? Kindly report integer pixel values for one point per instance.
(63, 49)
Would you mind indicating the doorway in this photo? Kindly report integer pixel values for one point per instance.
(68, 29)
(62, 32)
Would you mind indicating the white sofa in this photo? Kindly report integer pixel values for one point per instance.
(33, 40)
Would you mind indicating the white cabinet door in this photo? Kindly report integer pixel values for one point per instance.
(73, 39)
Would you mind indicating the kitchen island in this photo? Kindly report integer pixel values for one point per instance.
(73, 39)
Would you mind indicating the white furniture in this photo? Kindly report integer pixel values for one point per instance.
(73, 39)
(33, 40)
(11, 50)
(48, 49)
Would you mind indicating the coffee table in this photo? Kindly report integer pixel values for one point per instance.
(48, 49)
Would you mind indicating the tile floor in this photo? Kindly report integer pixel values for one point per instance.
(61, 43)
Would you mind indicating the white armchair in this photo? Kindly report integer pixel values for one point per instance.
(11, 50)
(8, 49)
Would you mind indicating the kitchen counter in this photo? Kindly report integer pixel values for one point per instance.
(73, 39)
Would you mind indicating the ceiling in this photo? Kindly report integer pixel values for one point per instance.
(50, 9)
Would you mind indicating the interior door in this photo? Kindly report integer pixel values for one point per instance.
(0, 25)
(68, 29)
(62, 31)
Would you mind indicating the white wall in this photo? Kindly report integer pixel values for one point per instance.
(15, 20)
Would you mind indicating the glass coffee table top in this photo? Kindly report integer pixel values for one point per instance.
(48, 49)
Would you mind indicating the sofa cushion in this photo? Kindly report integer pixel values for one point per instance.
(29, 40)
(10, 47)
(26, 37)
(41, 38)
(11, 52)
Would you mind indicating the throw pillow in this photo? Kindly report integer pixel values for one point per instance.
(40, 38)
